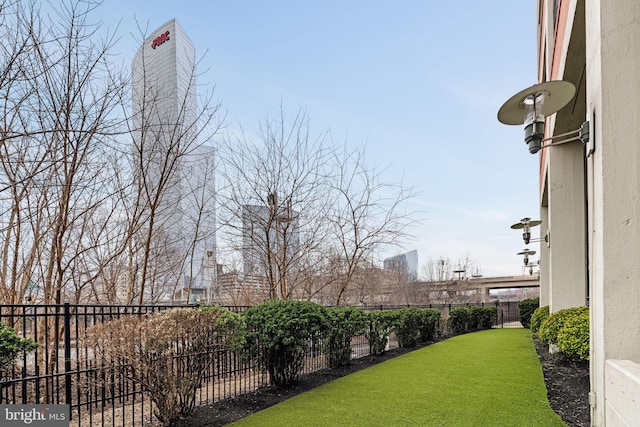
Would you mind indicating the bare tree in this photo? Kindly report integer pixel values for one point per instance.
(439, 270)
(73, 218)
(275, 198)
(367, 214)
(305, 214)
(466, 268)
(80, 209)
(60, 93)
(444, 270)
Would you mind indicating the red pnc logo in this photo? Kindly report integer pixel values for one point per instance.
(164, 37)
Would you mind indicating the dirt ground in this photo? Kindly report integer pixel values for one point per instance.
(567, 386)
(567, 383)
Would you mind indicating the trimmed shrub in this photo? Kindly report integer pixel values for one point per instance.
(168, 353)
(459, 317)
(489, 316)
(12, 346)
(473, 317)
(229, 324)
(476, 315)
(549, 329)
(380, 325)
(407, 327)
(526, 308)
(225, 319)
(344, 324)
(430, 322)
(279, 333)
(538, 317)
(573, 337)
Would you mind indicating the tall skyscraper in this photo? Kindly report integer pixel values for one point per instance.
(406, 263)
(174, 173)
(164, 104)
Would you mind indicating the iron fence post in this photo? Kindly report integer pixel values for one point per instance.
(67, 353)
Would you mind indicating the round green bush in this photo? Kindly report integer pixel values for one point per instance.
(473, 317)
(430, 322)
(489, 317)
(12, 346)
(526, 308)
(476, 316)
(538, 317)
(573, 337)
(549, 329)
(381, 323)
(229, 324)
(279, 333)
(344, 324)
(459, 318)
(407, 327)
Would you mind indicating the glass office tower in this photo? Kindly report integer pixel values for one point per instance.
(173, 172)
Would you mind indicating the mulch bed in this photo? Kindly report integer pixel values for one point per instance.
(567, 388)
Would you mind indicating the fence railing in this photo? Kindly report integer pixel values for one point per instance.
(508, 316)
(62, 369)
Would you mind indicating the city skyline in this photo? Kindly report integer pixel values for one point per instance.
(417, 85)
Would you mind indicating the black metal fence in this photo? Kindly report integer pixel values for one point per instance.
(508, 316)
(63, 371)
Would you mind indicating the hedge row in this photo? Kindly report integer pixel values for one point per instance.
(278, 335)
(470, 318)
(568, 329)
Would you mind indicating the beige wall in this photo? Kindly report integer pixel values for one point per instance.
(544, 258)
(613, 70)
(611, 102)
(566, 224)
(563, 275)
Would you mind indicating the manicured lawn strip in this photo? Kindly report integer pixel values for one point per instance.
(489, 378)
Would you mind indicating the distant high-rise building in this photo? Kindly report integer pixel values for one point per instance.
(263, 233)
(164, 104)
(406, 263)
(167, 153)
(199, 215)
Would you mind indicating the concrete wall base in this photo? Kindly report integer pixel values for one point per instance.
(622, 391)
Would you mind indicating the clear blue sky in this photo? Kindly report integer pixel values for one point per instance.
(419, 82)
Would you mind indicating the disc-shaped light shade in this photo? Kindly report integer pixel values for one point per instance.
(527, 252)
(530, 223)
(557, 94)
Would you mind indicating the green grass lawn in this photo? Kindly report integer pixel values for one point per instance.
(489, 378)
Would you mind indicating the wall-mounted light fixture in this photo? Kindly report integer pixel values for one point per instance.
(526, 224)
(526, 252)
(532, 105)
(531, 266)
